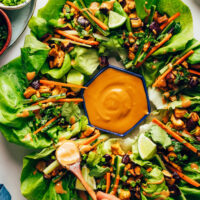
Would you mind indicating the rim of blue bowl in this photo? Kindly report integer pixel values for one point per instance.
(125, 71)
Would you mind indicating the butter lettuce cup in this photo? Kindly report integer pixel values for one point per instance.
(5, 31)
(13, 4)
(116, 100)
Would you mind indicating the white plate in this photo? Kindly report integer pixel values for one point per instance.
(14, 7)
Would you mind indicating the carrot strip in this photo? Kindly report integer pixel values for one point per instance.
(179, 61)
(96, 20)
(77, 39)
(167, 37)
(77, 100)
(163, 76)
(47, 82)
(175, 135)
(58, 100)
(91, 139)
(114, 190)
(172, 18)
(47, 124)
(97, 143)
(185, 178)
(194, 72)
(107, 182)
(72, 5)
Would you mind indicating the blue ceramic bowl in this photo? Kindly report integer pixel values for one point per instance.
(128, 72)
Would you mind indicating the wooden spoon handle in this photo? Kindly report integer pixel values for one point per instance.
(75, 169)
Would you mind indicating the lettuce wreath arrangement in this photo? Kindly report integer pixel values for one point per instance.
(41, 103)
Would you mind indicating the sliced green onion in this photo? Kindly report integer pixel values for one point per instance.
(51, 167)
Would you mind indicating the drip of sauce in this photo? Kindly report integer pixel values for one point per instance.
(68, 153)
(194, 166)
(59, 188)
(115, 101)
(28, 137)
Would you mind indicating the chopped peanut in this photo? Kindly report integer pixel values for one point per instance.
(177, 123)
(116, 149)
(136, 22)
(124, 194)
(197, 131)
(44, 89)
(180, 113)
(194, 116)
(162, 19)
(30, 75)
(29, 92)
(56, 90)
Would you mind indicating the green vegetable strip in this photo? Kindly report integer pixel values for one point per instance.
(51, 167)
(80, 4)
(118, 8)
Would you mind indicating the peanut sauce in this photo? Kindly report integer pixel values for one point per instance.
(115, 101)
(59, 188)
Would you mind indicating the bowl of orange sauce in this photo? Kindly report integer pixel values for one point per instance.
(116, 100)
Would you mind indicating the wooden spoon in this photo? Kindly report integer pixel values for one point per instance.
(68, 155)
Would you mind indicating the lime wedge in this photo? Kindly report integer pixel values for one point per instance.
(115, 20)
(89, 179)
(146, 147)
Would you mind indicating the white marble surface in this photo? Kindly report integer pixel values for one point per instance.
(10, 154)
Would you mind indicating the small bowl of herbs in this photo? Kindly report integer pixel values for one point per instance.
(5, 31)
(13, 4)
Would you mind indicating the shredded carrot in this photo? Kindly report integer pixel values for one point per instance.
(91, 139)
(97, 143)
(58, 100)
(194, 72)
(46, 82)
(96, 20)
(72, 5)
(185, 178)
(77, 39)
(167, 37)
(114, 190)
(107, 181)
(163, 76)
(175, 135)
(47, 124)
(172, 18)
(179, 61)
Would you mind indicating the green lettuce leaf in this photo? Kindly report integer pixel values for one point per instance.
(35, 187)
(178, 41)
(99, 171)
(58, 72)
(40, 25)
(34, 54)
(154, 176)
(70, 109)
(150, 70)
(113, 47)
(142, 6)
(17, 130)
(159, 136)
(195, 57)
(86, 60)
